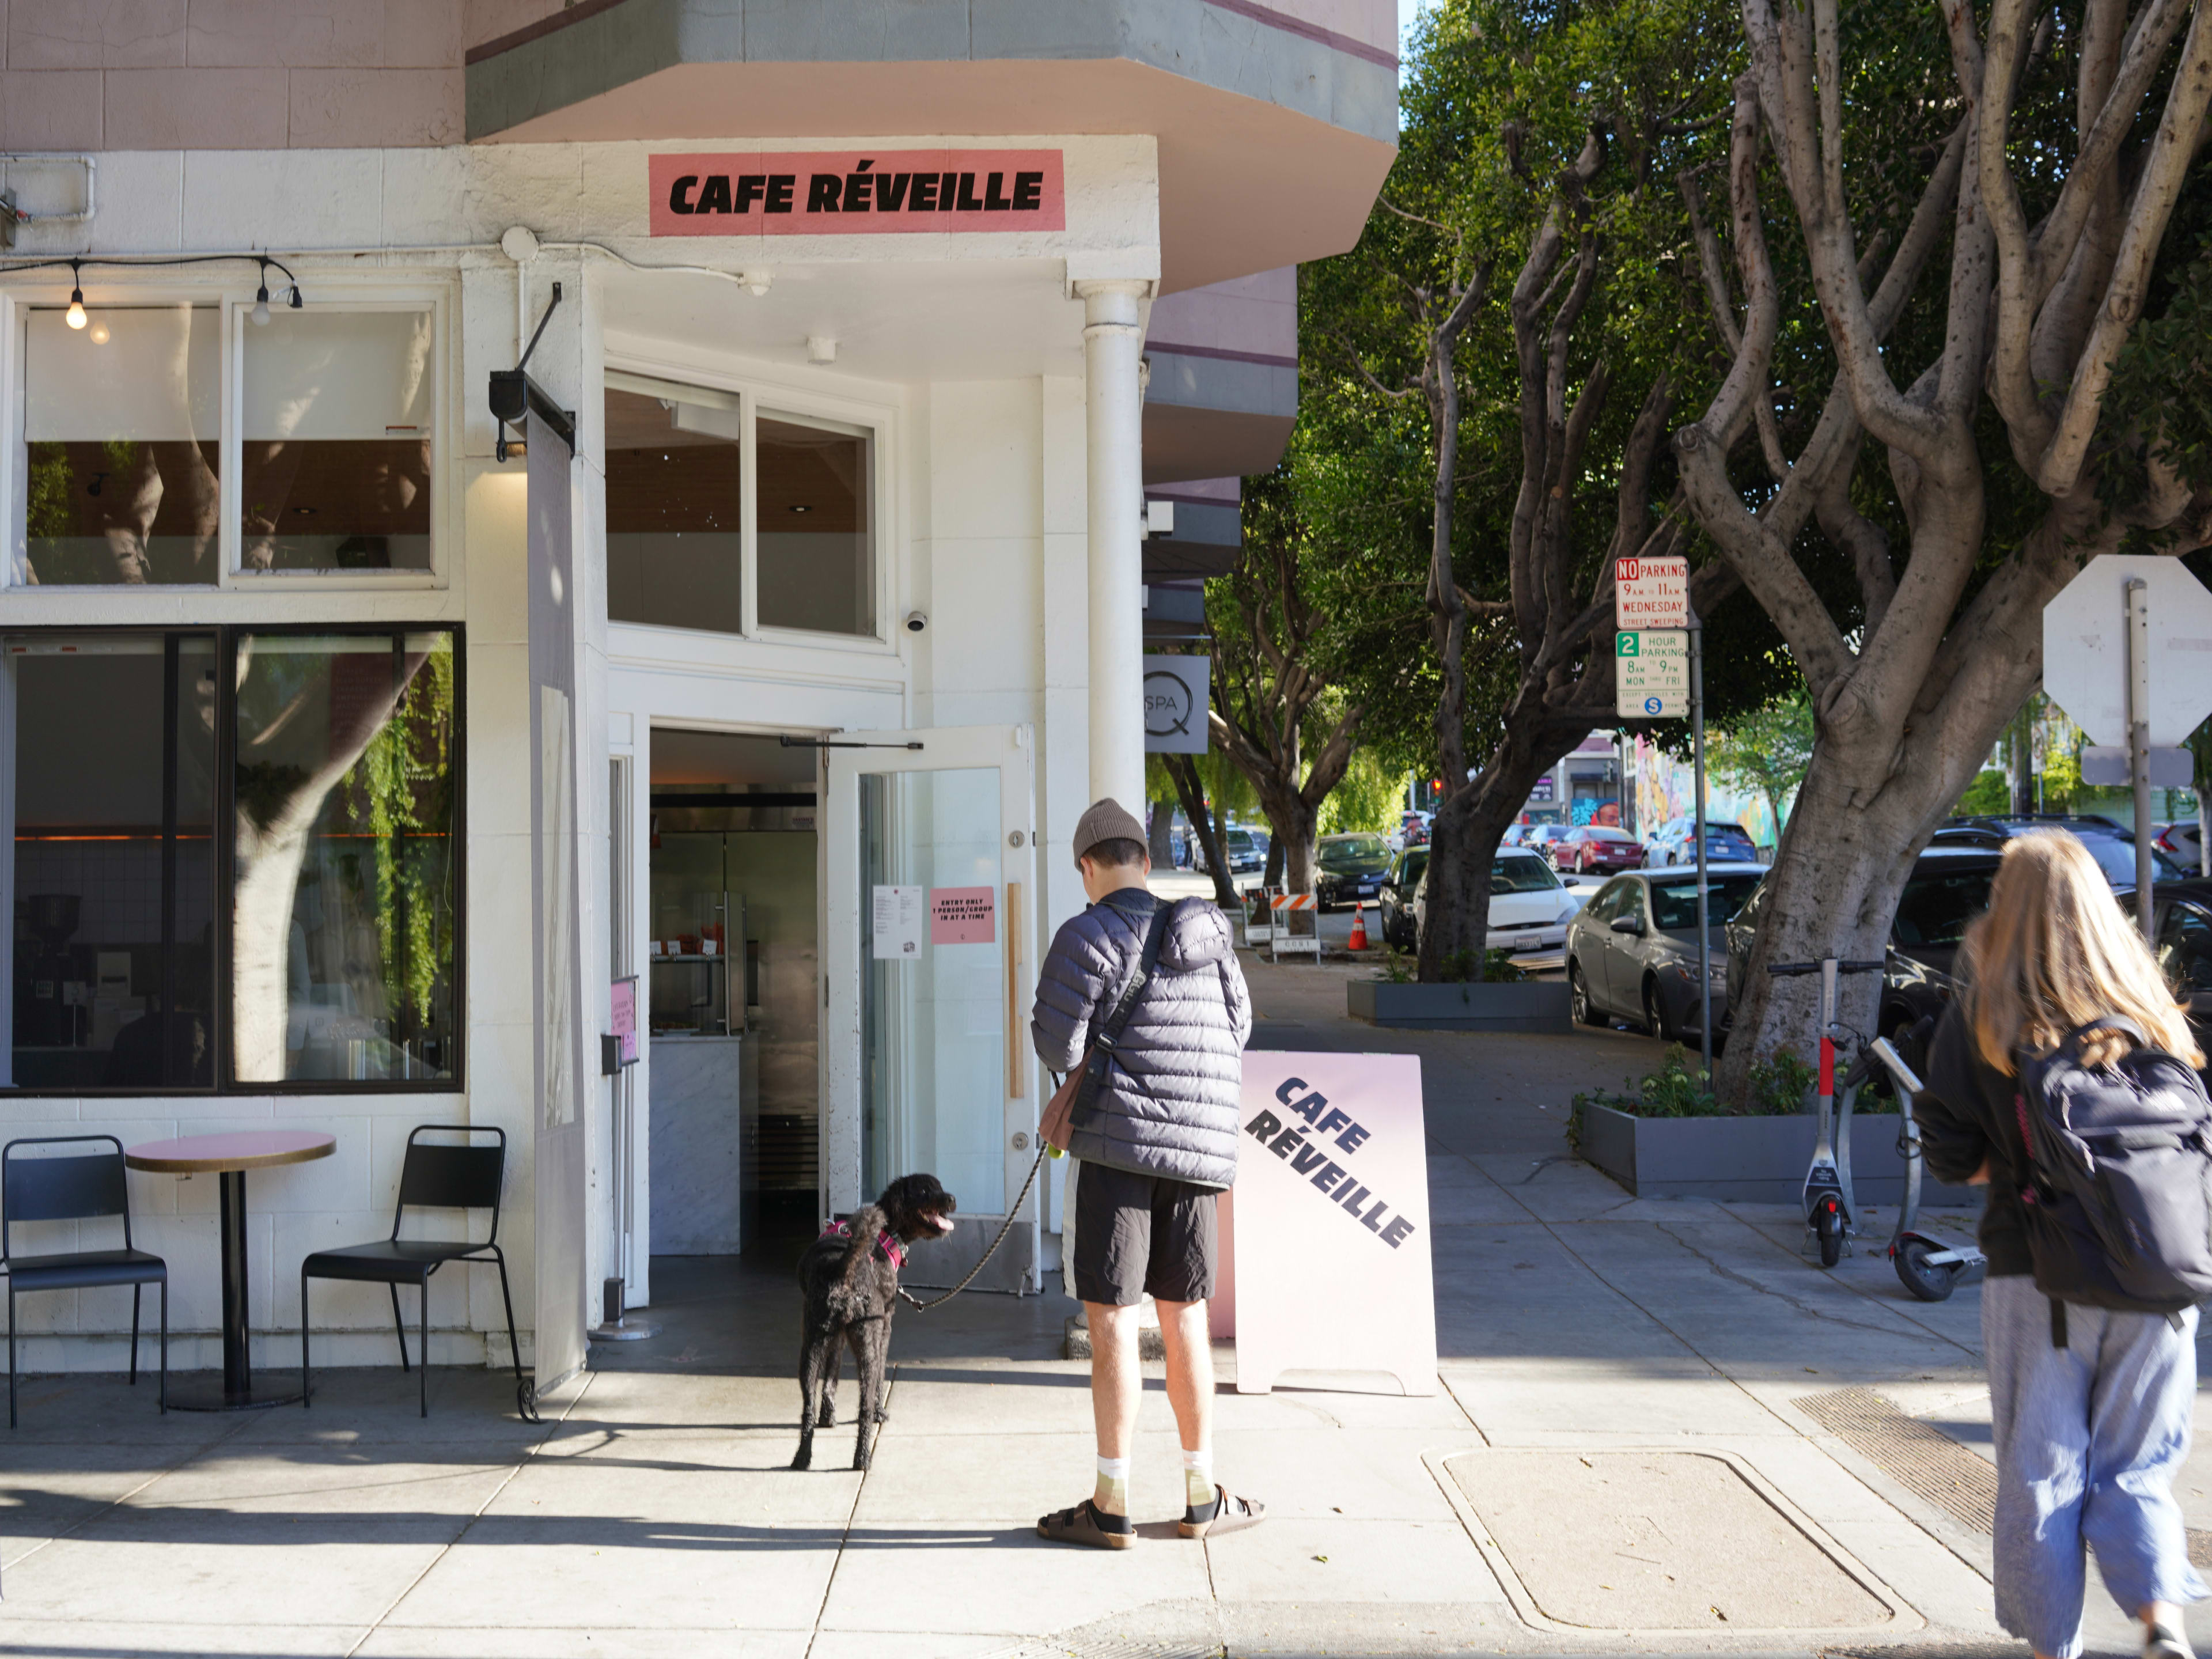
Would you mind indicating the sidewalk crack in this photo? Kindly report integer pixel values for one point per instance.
(1751, 1284)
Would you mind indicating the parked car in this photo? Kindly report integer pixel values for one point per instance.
(1515, 835)
(1676, 843)
(1596, 849)
(1238, 850)
(1399, 927)
(1541, 835)
(1348, 868)
(2109, 843)
(1949, 886)
(1633, 951)
(2182, 939)
(1529, 906)
(2181, 842)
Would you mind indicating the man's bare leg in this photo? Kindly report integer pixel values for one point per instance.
(1189, 1340)
(1116, 1386)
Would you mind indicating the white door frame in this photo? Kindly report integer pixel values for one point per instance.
(1010, 749)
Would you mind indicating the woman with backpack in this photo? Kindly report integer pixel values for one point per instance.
(2064, 1038)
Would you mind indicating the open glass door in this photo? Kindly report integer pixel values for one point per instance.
(930, 875)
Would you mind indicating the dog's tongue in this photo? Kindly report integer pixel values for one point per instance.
(938, 1222)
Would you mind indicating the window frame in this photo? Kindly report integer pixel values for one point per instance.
(232, 300)
(226, 1084)
(757, 395)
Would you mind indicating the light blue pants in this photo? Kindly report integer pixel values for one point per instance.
(2088, 1439)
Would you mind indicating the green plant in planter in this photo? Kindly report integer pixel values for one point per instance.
(1673, 1091)
(1779, 1085)
(1400, 968)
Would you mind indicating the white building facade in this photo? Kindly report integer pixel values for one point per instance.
(369, 756)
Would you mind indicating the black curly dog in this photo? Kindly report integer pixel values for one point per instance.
(851, 1285)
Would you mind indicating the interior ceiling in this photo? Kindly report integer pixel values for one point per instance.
(662, 478)
(1245, 185)
(704, 759)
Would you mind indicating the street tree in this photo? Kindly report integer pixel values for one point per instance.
(2028, 170)
(1766, 751)
(1512, 291)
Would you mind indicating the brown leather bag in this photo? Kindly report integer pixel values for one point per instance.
(1073, 1096)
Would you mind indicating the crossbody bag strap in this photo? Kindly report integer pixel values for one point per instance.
(1125, 1005)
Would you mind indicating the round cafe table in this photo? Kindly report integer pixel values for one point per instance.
(230, 1156)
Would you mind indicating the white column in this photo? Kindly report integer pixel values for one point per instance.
(1115, 434)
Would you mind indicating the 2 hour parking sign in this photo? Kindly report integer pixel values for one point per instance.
(1652, 674)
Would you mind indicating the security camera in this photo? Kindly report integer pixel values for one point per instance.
(915, 622)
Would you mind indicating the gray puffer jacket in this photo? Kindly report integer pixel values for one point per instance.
(1169, 1104)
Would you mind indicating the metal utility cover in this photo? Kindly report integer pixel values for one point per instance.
(1652, 672)
(1656, 1541)
(2085, 648)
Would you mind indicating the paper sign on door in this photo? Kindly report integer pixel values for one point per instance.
(1330, 1226)
(960, 915)
(895, 923)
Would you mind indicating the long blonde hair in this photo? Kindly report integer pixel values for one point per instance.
(2053, 952)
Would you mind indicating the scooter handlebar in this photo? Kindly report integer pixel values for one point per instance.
(1907, 1079)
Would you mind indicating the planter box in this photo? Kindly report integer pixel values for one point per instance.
(1529, 1006)
(1749, 1160)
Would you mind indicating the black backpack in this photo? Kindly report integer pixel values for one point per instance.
(2118, 1198)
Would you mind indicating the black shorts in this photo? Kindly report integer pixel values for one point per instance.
(1140, 1233)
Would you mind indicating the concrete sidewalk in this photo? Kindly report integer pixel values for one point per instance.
(1650, 1436)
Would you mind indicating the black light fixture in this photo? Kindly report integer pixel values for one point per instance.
(76, 317)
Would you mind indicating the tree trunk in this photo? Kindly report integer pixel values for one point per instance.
(1292, 821)
(1463, 842)
(1272, 876)
(1162, 835)
(1184, 771)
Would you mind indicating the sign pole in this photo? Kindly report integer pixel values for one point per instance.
(2138, 636)
(1698, 827)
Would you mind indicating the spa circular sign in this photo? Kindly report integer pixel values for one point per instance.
(1167, 705)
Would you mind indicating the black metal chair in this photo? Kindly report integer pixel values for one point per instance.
(433, 1178)
(80, 1187)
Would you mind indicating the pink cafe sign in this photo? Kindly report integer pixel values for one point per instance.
(858, 193)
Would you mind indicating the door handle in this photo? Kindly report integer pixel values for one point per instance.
(1014, 1089)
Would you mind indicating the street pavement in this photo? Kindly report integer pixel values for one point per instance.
(1659, 1429)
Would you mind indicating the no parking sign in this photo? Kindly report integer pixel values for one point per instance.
(1329, 1226)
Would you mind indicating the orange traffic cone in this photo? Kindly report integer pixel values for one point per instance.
(1359, 940)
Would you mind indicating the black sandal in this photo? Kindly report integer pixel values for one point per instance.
(1227, 1513)
(1087, 1524)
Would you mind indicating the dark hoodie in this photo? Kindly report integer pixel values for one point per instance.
(1966, 1114)
(1169, 1105)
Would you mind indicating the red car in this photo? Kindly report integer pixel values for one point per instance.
(1597, 849)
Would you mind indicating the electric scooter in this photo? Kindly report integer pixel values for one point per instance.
(1930, 1267)
(1830, 1206)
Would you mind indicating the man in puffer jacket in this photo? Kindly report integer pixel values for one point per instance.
(1155, 1148)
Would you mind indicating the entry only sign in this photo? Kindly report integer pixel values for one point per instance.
(1327, 1259)
(1652, 674)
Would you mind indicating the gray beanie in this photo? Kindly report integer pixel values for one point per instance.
(1105, 821)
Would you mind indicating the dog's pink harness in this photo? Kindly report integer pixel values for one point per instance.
(884, 1241)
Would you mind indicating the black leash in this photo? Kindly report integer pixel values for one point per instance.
(1014, 1210)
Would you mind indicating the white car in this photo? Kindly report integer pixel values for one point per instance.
(1529, 906)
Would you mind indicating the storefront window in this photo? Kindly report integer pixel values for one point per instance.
(115, 474)
(675, 505)
(330, 933)
(336, 460)
(345, 904)
(816, 539)
(112, 788)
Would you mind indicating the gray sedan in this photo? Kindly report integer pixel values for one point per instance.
(1632, 951)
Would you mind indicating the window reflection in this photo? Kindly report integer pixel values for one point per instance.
(675, 506)
(115, 474)
(817, 544)
(336, 458)
(113, 880)
(345, 910)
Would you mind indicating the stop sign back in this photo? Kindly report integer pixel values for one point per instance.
(2085, 648)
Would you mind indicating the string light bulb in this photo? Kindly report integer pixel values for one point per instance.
(75, 317)
(260, 311)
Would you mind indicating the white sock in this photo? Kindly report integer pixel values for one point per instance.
(1113, 1492)
(1198, 1477)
